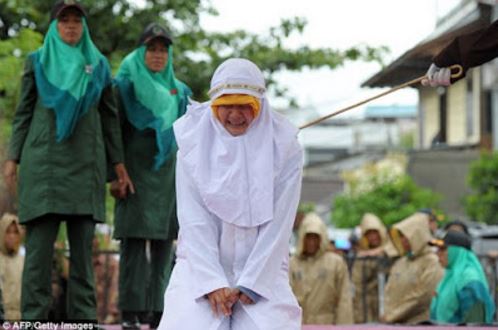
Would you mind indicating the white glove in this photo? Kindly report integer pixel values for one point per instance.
(437, 76)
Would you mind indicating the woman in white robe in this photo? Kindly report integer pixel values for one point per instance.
(237, 199)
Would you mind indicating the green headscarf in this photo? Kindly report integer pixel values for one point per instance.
(152, 99)
(463, 285)
(69, 78)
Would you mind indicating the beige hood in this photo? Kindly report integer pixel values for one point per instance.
(313, 224)
(416, 229)
(5, 222)
(370, 221)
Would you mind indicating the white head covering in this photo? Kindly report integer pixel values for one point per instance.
(235, 174)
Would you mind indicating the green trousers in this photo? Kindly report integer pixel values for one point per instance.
(36, 295)
(144, 275)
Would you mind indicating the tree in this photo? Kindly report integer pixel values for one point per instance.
(482, 204)
(116, 25)
(384, 190)
(12, 54)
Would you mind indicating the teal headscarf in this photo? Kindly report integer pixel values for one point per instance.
(152, 99)
(69, 79)
(463, 285)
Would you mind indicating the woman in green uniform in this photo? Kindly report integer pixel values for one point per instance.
(150, 100)
(65, 128)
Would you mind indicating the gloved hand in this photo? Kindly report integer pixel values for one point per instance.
(437, 76)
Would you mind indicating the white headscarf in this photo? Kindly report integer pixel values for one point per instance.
(235, 175)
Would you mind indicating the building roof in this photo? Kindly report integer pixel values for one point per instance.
(390, 111)
(466, 18)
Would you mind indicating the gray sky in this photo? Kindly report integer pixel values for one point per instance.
(398, 24)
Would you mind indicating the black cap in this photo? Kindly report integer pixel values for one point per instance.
(152, 31)
(60, 5)
(455, 238)
(457, 223)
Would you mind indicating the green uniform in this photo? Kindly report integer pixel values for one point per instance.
(61, 181)
(149, 214)
(149, 102)
(65, 177)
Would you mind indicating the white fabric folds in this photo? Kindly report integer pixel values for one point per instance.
(237, 199)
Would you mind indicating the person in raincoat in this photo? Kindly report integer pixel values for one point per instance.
(414, 276)
(365, 272)
(65, 134)
(11, 266)
(462, 296)
(238, 181)
(320, 278)
(150, 99)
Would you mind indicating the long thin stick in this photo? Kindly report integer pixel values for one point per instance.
(458, 73)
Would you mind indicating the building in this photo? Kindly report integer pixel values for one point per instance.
(453, 123)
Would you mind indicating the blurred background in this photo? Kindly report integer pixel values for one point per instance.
(417, 148)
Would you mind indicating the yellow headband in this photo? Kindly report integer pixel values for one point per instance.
(236, 99)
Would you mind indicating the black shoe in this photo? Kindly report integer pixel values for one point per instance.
(155, 319)
(130, 321)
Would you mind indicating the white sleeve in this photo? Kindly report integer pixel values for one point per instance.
(272, 245)
(199, 235)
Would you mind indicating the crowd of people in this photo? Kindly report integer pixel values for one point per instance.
(401, 276)
(216, 184)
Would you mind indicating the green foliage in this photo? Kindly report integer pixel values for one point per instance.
(12, 54)
(306, 207)
(482, 204)
(115, 26)
(391, 200)
(407, 140)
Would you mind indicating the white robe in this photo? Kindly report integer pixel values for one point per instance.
(212, 254)
(222, 241)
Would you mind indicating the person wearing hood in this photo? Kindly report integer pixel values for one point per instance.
(414, 276)
(150, 99)
(434, 219)
(65, 130)
(11, 266)
(462, 296)
(320, 278)
(364, 272)
(238, 181)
